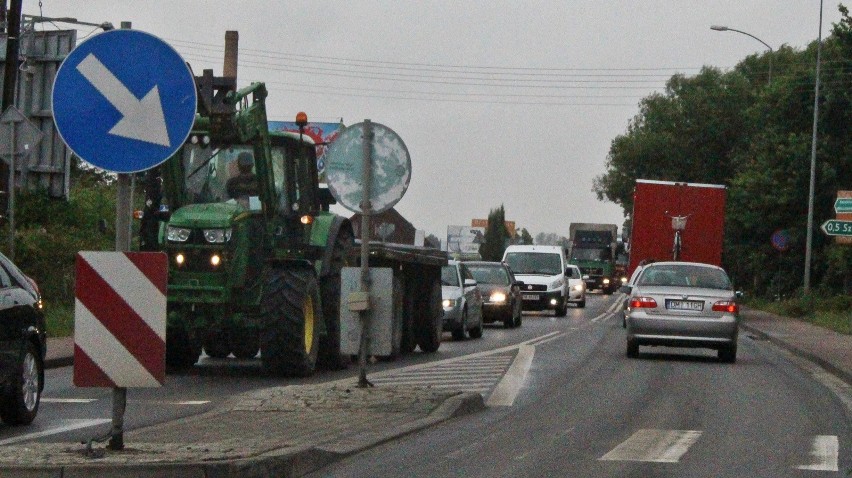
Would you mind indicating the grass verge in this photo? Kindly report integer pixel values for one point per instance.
(60, 320)
(833, 312)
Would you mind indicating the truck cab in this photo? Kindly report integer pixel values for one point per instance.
(542, 269)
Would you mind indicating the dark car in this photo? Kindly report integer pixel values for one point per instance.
(501, 294)
(22, 345)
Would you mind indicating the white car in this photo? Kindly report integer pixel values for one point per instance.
(576, 286)
(461, 301)
(543, 270)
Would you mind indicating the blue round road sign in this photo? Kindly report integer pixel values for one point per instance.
(781, 240)
(124, 101)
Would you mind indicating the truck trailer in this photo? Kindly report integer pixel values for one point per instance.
(677, 221)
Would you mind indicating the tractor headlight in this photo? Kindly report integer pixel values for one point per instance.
(217, 236)
(177, 234)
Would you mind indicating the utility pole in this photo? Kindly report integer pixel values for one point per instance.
(10, 72)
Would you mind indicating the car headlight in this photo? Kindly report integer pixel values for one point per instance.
(624, 280)
(177, 234)
(497, 297)
(606, 281)
(217, 236)
(447, 303)
(578, 287)
(557, 284)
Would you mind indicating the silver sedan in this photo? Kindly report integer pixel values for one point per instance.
(683, 304)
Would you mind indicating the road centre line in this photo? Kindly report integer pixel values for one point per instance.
(659, 446)
(70, 425)
(610, 310)
(824, 451)
(507, 389)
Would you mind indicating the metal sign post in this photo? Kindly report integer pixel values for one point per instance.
(366, 211)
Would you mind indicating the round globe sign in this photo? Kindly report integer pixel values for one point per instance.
(390, 170)
(781, 240)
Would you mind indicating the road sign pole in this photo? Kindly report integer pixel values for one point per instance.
(11, 192)
(123, 213)
(366, 211)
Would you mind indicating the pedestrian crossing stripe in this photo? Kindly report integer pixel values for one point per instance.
(668, 446)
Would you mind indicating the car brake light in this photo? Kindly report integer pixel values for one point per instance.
(643, 303)
(726, 306)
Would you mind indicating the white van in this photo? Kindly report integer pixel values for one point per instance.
(542, 271)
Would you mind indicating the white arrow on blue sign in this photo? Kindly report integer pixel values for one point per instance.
(124, 101)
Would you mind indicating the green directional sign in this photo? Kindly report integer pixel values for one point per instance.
(836, 227)
(843, 205)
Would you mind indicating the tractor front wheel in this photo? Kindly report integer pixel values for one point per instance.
(290, 308)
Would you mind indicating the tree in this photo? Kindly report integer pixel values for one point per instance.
(522, 236)
(496, 236)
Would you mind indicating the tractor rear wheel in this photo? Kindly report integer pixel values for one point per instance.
(329, 345)
(290, 308)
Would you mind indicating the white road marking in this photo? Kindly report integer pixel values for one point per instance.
(193, 402)
(69, 426)
(610, 311)
(660, 446)
(68, 400)
(507, 389)
(824, 451)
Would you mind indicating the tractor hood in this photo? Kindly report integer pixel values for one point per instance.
(211, 215)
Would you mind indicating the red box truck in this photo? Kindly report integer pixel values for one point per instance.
(683, 219)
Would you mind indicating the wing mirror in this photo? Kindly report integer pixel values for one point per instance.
(519, 283)
(469, 283)
(625, 289)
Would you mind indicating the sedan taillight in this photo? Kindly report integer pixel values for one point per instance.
(643, 303)
(728, 306)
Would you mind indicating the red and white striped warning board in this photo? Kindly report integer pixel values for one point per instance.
(120, 319)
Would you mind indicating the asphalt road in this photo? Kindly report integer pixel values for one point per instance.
(73, 414)
(584, 409)
(563, 401)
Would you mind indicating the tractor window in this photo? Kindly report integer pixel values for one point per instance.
(208, 170)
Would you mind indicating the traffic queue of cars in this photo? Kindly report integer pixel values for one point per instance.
(528, 278)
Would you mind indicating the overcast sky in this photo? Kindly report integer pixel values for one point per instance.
(512, 103)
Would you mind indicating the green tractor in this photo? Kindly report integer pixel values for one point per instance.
(254, 254)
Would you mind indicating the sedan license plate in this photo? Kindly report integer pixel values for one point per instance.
(530, 297)
(696, 305)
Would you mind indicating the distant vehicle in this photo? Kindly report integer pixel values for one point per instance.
(542, 269)
(593, 249)
(683, 304)
(501, 293)
(22, 347)
(576, 286)
(683, 219)
(462, 301)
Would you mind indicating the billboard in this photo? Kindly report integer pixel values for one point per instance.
(464, 240)
(322, 134)
(510, 225)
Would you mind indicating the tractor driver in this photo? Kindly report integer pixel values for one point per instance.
(244, 184)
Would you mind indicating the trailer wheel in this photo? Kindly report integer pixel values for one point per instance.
(216, 344)
(290, 307)
(429, 325)
(181, 350)
(329, 345)
(244, 342)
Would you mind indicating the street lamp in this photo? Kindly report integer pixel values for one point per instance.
(720, 28)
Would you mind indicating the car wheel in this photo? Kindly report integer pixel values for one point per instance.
(562, 309)
(459, 333)
(632, 348)
(728, 354)
(20, 400)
